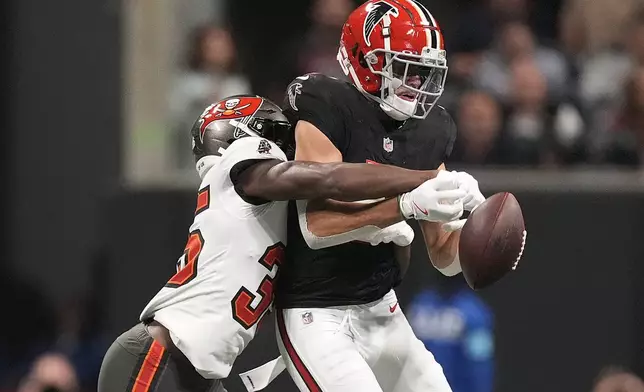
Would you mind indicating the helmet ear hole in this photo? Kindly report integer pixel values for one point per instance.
(362, 61)
(354, 50)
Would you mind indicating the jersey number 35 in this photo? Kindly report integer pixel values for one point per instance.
(241, 305)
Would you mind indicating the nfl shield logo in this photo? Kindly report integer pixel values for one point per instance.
(307, 318)
(388, 144)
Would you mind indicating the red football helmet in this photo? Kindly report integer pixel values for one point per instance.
(393, 52)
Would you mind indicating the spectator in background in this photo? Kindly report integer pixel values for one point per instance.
(515, 41)
(603, 40)
(635, 40)
(50, 373)
(80, 338)
(211, 74)
(471, 36)
(21, 342)
(536, 130)
(618, 380)
(457, 327)
(626, 146)
(319, 49)
(479, 120)
(599, 24)
(478, 24)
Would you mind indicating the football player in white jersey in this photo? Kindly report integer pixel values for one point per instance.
(192, 331)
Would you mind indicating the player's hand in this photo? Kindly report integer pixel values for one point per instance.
(400, 234)
(469, 184)
(436, 200)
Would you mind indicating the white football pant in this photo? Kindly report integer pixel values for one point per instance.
(356, 348)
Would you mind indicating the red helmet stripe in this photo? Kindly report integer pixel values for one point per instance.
(434, 37)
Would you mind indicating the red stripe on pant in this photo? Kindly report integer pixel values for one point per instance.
(149, 369)
(310, 382)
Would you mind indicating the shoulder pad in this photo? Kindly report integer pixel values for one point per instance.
(319, 85)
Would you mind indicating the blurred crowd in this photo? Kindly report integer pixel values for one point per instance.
(541, 84)
(53, 348)
(524, 96)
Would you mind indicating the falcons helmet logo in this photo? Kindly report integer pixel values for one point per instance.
(377, 11)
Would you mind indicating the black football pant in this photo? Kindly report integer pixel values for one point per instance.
(137, 363)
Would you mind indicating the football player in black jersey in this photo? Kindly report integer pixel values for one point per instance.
(191, 332)
(339, 324)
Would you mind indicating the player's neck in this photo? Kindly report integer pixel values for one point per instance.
(389, 123)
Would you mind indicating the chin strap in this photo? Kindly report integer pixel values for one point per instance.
(393, 109)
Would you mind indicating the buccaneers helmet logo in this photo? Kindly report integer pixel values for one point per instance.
(229, 109)
(376, 12)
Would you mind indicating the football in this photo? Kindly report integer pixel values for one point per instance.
(492, 240)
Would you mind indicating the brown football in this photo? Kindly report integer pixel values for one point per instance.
(492, 240)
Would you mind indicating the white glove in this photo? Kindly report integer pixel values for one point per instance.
(469, 184)
(435, 200)
(399, 233)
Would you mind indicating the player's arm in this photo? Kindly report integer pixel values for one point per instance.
(320, 133)
(299, 180)
(442, 245)
(329, 222)
(442, 239)
(325, 218)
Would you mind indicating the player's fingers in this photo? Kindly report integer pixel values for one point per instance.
(451, 196)
(445, 180)
(468, 198)
(451, 211)
(444, 184)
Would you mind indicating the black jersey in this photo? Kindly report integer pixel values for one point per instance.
(353, 273)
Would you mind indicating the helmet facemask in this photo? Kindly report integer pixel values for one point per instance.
(411, 84)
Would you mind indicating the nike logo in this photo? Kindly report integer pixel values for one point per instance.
(393, 308)
(424, 211)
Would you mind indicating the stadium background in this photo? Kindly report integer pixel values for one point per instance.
(99, 187)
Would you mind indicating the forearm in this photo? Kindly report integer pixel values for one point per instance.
(353, 182)
(329, 217)
(300, 180)
(442, 247)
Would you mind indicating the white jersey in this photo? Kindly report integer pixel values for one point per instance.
(224, 280)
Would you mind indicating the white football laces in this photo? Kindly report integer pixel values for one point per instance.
(516, 263)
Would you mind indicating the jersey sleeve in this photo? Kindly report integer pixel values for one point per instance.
(251, 149)
(311, 98)
(242, 154)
